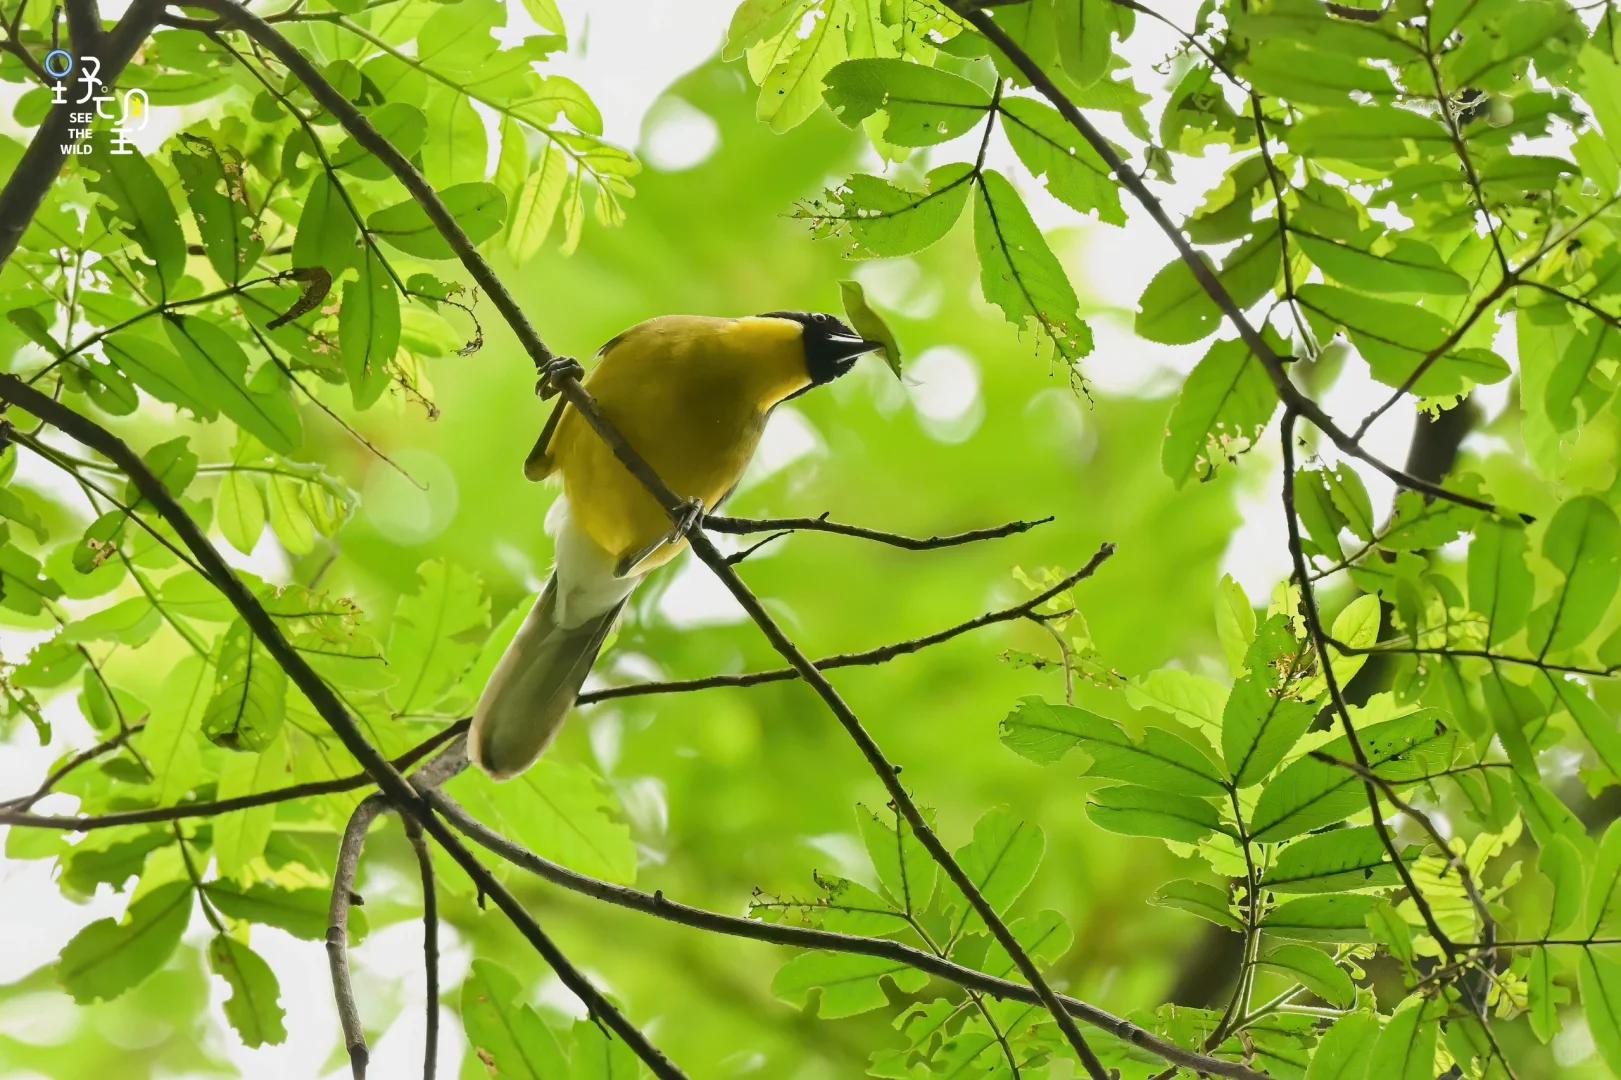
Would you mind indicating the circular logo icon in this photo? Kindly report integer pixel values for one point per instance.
(58, 58)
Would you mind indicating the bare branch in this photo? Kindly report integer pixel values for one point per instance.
(659, 906)
(881, 655)
(716, 523)
(337, 930)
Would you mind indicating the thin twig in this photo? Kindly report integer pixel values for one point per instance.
(23, 802)
(715, 523)
(870, 657)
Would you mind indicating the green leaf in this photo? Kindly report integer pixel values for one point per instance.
(240, 835)
(129, 622)
(561, 811)
(478, 207)
(1139, 811)
(924, 105)
(240, 511)
(884, 220)
(433, 638)
(601, 1056)
(1543, 994)
(219, 204)
(1221, 411)
(1002, 858)
(1395, 339)
(756, 20)
(1235, 623)
(1408, 266)
(1596, 346)
(1084, 30)
(1279, 68)
(1201, 898)
(109, 957)
(1259, 724)
(906, 871)
(250, 691)
(504, 1031)
(301, 912)
(1545, 814)
(1322, 918)
(1316, 971)
(1500, 584)
(1337, 861)
(1176, 310)
(369, 330)
(456, 146)
(536, 206)
(865, 321)
(159, 372)
(1310, 793)
(1050, 147)
(1583, 542)
(849, 984)
(1163, 760)
(141, 205)
(218, 369)
(1599, 979)
(1343, 1052)
(791, 89)
(1562, 866)
(1020, 274)
(1405, 1049)
(1597, 726)
(254, 1007)
(1371, 135)
(327, 229)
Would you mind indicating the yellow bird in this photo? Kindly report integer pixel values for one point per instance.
(691, 395)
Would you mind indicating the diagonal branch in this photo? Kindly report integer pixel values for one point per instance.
(1291, 396)
(660, 906)
(393, 785)
(565, 382)
(22, 803)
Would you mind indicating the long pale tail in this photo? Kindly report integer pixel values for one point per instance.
(534, 686)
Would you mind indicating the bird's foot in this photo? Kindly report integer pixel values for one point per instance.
(692, 512)
(562, 367)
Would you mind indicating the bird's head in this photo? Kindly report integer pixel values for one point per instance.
(831, 347)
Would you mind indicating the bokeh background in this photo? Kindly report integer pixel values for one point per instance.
(727, 791)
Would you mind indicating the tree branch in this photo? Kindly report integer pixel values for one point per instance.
(882, 654)
(399, 792)
(119, 818)
(565, 382)
(659, 906)
(716, 523)
(430, 944)
(337, 930)
(42, 162)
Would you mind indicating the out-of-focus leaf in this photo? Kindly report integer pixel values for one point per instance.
(110, 956)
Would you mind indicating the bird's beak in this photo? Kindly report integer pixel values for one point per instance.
(846, 347)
